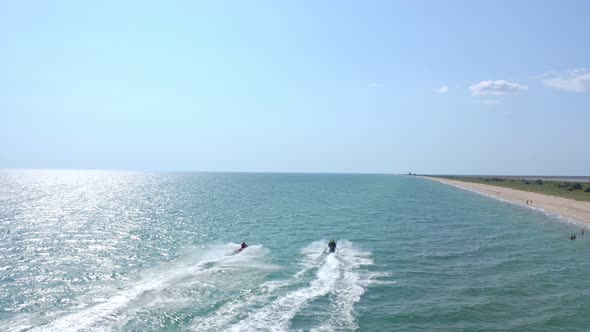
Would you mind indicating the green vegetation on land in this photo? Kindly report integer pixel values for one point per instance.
(572, 190)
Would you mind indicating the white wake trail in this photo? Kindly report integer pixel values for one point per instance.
(239, 308)
(278, 315)
(146, 290)
(341, 278)
(349, 289)
(242, 307)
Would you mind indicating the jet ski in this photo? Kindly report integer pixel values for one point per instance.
(242, 247)
(332, 246)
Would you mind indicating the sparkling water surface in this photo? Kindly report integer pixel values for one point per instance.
(133, 251)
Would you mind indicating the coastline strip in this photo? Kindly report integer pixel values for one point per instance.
(569, 208)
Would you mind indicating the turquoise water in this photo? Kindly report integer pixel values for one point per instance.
(90, 250)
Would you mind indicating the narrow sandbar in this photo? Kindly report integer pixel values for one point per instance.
(569, 208)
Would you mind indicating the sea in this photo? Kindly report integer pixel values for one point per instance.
(85, 250)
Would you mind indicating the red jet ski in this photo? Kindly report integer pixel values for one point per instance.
(242, 247)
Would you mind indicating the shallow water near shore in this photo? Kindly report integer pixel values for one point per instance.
(133, 251)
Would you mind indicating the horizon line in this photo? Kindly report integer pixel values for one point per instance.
(278, 172)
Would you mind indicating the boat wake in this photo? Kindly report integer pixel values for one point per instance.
(219, 290)
(339, 279)
(175, 284)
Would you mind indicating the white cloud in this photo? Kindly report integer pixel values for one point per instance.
(442, 89)
(573, 80)
(375, 85)
(498, 87)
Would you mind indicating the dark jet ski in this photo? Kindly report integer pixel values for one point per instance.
(332, 246)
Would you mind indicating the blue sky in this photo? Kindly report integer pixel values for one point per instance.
(474, 87)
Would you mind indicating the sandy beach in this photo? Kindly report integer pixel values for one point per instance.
(579, 211)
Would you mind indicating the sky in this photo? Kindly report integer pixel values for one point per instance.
(453, 87)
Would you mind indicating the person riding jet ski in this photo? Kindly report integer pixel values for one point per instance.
(243, 246)
(332, 245)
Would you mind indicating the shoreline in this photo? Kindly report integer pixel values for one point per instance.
(577, 211)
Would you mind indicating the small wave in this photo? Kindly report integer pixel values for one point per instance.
(239, 308)
(373, 279)
(21, 322)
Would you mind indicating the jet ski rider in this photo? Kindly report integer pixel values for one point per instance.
(332, 245)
